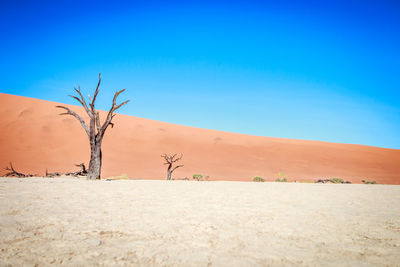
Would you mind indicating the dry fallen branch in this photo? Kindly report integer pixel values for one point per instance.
(14, 173)
(52, 174)
(81, 172)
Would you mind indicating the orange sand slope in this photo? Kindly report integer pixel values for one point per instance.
(34, 137)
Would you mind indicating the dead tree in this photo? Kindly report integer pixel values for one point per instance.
(14, 173)
(95, 131)
(170, 160)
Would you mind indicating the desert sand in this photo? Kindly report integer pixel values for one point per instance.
(77, 222)
(34, 137)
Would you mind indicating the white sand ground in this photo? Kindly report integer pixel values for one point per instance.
(180, 223)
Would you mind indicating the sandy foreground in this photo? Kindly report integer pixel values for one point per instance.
(184, 223)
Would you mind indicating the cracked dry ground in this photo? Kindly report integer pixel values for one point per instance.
(77, 222)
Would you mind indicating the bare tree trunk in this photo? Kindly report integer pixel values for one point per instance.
(95, 162)
(169, 175)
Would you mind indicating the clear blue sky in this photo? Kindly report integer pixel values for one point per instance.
(316, 70)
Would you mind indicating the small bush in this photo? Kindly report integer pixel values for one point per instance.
(258, 179)
(336, 180)
(283, 179)
(368, 182)
(197, 177)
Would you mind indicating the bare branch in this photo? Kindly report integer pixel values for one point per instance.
(111, 114)
(83, 102)
(166, 157)
(112, 124)
(11, 166)
(95, 93)
(177, 159)
(115, 97)
(120, 105)
(171, 159)
(80, 101)
(176, 167)
(72, 113)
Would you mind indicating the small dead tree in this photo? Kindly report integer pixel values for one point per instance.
(95, 131)
(170, 160)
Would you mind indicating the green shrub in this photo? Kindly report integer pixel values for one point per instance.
(368, 182)
(258, 179)
(197, 177)
(283, 179)
(336, 180)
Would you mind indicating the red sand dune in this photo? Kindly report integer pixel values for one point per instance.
(34, 137)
